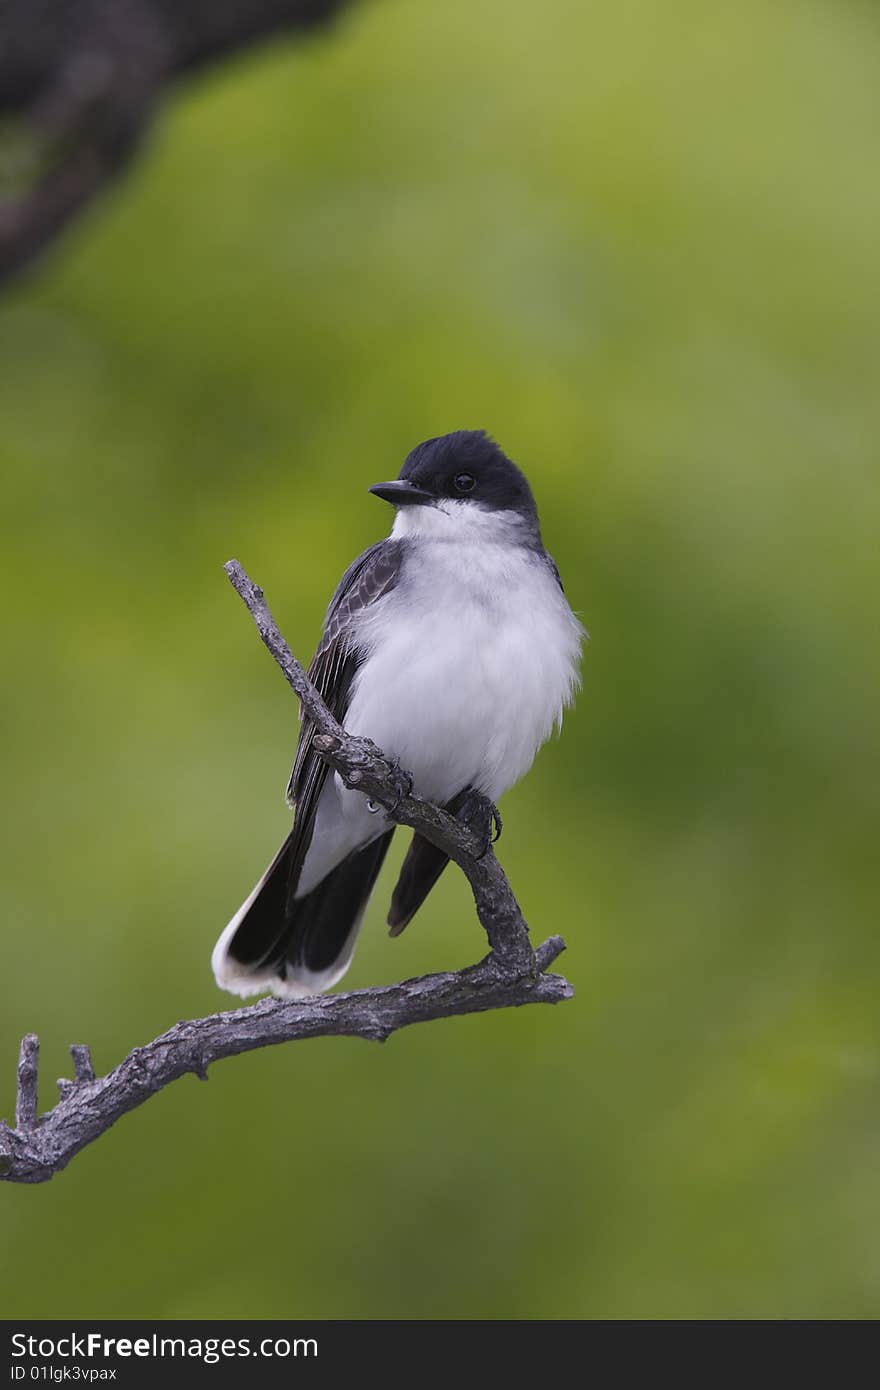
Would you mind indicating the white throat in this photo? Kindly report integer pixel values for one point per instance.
(460, 522)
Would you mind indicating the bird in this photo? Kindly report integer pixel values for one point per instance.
(451, 644)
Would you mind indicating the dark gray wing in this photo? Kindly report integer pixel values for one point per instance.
(332, 670)
(551, 563)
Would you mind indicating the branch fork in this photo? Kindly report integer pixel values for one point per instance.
(512, 974)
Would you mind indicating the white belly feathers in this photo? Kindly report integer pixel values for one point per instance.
(471, 659)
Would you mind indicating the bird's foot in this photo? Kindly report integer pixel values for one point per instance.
(402, 782)
(484, 818)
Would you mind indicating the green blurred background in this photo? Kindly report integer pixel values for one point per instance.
(639, 244)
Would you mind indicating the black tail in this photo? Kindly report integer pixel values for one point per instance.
(296, 946)
(420, 870)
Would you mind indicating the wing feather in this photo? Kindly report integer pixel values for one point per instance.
(333, 668)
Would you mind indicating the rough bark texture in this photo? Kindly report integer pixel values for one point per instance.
(82, 78)
(512, 974)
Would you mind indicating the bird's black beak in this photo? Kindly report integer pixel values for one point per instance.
(402, 493)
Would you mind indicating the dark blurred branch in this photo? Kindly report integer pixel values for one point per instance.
(82, 79)
(512, 974)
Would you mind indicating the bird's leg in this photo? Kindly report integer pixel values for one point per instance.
(484, 818)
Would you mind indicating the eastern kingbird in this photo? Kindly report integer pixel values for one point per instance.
(451, 645)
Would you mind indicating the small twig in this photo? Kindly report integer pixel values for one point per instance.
(28, 1073)
(510, 976)
(82, 1062)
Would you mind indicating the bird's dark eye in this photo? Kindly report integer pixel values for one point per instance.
(465, 482)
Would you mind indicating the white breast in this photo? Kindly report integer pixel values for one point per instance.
(473, 655)
(471, 660)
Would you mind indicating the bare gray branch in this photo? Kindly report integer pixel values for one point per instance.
(511, 975)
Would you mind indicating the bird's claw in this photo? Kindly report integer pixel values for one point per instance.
(402, 782)
(484, 818)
